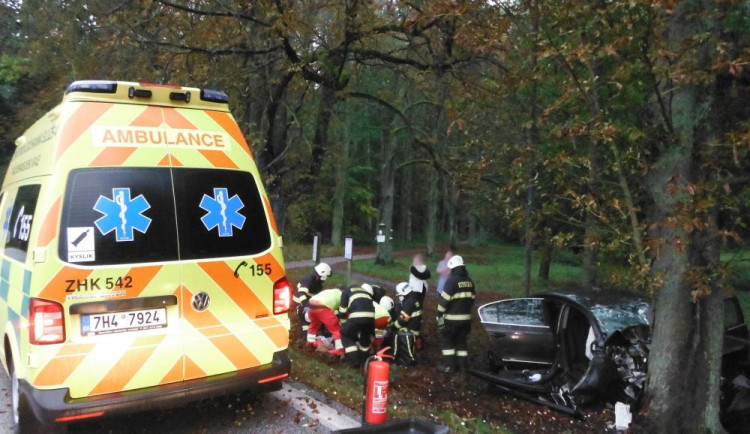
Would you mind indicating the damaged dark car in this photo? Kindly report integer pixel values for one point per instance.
(569, 349)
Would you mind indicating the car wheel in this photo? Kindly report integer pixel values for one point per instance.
(495, 364)
(24, 421)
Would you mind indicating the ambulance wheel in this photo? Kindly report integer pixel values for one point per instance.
(24, 421)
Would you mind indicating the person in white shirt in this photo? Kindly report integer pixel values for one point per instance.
(418, 275)
(443, 271)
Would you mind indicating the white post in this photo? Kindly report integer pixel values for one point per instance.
(349, 256)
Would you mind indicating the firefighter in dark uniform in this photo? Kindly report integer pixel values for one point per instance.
(410, 315)
(357, 315)
(454, 317)
(306, 288)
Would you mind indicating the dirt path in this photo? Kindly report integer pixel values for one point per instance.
(330, 261)
(336, 260)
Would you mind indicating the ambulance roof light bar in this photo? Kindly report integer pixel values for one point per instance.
(93, 86)
(214, 96)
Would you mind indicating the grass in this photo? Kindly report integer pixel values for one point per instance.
(345, 387)
(494, 269)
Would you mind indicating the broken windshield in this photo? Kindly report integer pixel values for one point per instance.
(626, 313)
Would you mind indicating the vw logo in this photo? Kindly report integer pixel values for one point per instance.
(201, 301)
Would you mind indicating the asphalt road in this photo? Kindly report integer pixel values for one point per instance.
(293, 410)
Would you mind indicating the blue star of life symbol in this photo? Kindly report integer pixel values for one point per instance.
(222, 212)
(122, 214)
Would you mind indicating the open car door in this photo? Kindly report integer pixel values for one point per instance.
(519, 333)
(539, 326)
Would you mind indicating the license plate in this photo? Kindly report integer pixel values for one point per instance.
(118, 322)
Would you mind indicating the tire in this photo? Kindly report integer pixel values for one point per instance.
(495, 363)
(24, 421)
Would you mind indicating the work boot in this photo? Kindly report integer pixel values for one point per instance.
(446, 369)
(447, 364)
(463, 364)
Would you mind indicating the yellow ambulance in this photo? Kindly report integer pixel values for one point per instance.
(141, 265)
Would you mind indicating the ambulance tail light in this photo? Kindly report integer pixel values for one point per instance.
(281, 296)
(46, 322)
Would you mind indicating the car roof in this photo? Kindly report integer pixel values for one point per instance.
(596, 297)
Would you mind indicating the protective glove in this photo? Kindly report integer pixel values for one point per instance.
(440, 323)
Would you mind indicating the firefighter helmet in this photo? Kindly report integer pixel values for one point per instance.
(368, 288)
(323, 270)
(386, 302)
(455, 261)
(402, 289)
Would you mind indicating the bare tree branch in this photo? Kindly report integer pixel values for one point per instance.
(230, 14)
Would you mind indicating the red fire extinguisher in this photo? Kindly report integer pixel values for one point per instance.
(377, 372)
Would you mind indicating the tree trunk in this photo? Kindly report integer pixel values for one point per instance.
(545, 260)
(634, 224)
(590, 251)
(404, 229)
(432, 211)
(451, 203)
(279, 207)
(339, 191)
(384, 254)
(473, 232)
(528, 240)
(682, 393)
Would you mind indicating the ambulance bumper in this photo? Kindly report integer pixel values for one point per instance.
(56, 405)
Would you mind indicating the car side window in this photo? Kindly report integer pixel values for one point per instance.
(19, 217)
(518, 311)
(732, 314)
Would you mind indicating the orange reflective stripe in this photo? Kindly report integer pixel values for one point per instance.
(218, 159)
(269, 211)
(279, 335)
(129, 364)
(192, 370)
(63, 364)
(277, 272)
(223, 339)
(49, 227)
(112, 157)
(85, 115)
(142, 276)
(174, 374)
(235, 288)
(230, 126)
(166, 161)
(151, 117)
(174, 119)
(55, 289)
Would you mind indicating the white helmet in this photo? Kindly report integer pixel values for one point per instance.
(386, 302)
(402, 289)
(323, 270)
(455, 261)
(368, 288)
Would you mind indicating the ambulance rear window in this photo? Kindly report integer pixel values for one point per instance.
(118, 216)
(220, 213)
(127, 215)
